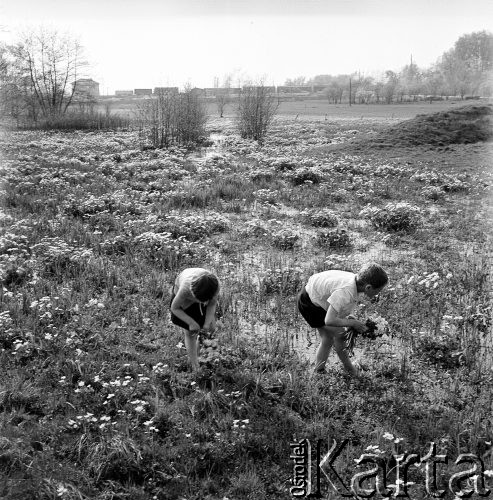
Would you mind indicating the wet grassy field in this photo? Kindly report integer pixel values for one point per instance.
(96, 396)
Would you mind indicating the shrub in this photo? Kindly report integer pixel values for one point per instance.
(269, 196)
(173, 119)
(432, 193)
(321, 218)
(286, 281)
(194, 227)
(256, 109)
(394, 216)
(442, 349)
(334, 238)
(302, 175)
(285, 240)
(283, 164)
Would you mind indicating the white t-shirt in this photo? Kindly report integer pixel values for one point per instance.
(335, 288)
(185, 279)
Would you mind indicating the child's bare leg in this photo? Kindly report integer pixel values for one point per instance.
(323, 351)
(192, 346)
(339, 346)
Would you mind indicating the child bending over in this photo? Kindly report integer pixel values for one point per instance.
(193, 306)
(326, 303)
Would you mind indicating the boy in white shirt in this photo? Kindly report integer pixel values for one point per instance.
(326, 302)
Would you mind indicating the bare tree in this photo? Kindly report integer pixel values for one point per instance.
(47, 65)
(390, 86)
(171, 118)
(257, 106)
(222, 96)
(299, 81)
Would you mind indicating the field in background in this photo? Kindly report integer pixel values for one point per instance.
(313, 109)
(96, 396)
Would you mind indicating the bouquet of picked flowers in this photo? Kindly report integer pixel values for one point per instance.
(376, 326)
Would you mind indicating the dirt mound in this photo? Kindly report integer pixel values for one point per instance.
(464, 125)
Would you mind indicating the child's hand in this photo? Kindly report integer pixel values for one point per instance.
(358, 325)
(194, 327)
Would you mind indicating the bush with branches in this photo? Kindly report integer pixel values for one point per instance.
(257, 107)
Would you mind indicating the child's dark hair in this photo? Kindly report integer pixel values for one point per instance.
(205, 287)
(372, 274)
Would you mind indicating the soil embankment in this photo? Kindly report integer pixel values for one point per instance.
(464, 125)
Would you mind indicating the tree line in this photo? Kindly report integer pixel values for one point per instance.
(464, 70)
(37, 76)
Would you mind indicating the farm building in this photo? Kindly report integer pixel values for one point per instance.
(85, 88)
(165, 90)
(143, 92)
(268, 89)
(124, 93)
(298, 89)
(198, 92)
(221, 91)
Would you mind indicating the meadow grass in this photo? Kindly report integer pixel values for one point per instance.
(97, 399)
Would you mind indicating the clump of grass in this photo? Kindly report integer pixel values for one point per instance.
(321, 218)
(285, 281)
(401, 216)
(246, 486)
(334, 238)
(305, 176)
(285, 239)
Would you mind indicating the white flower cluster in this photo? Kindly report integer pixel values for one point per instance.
(430, 280)
(381, 324)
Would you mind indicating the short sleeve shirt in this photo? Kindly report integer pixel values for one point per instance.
(185, 279)
(335, 288)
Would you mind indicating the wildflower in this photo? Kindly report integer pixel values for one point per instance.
(61, 490)
(180, 345)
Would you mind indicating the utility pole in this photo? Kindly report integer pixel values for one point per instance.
(350, 91)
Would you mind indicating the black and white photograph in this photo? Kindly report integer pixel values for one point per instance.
(246, 249)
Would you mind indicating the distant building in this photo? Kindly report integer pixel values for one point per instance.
(85, 88)
(142, 91)
(294, 89)
(165, 90)
(221, 91)
(198, 92)
(268, 89)
(124, 93)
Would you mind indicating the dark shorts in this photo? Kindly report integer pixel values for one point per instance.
(194, 311)
(313, 314)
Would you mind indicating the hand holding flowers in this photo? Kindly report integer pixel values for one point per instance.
(376, 326)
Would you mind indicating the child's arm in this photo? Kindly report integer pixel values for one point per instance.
(332, 319)
(176, 309)
(209, 313)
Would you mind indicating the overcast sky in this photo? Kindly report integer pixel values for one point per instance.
(147, 43)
